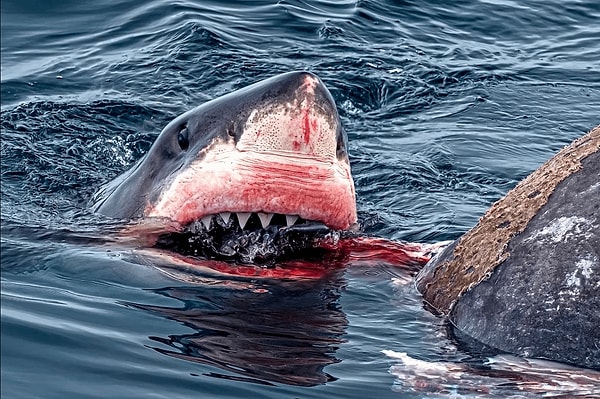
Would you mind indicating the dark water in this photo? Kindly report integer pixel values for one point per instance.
(447, 105)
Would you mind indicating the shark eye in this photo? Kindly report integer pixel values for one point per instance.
(231, 131)
(183, 139)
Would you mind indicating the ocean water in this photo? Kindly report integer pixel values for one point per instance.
(447, 105)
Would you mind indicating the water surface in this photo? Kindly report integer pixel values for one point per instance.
(447, 105)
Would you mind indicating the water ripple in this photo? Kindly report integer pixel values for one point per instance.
(446, 104)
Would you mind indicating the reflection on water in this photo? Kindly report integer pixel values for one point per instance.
(268, 332)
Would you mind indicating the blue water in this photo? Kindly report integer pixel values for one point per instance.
(446, 104)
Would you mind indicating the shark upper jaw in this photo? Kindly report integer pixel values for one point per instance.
(281, 186)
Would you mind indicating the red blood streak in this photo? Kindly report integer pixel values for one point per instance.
(307, 123)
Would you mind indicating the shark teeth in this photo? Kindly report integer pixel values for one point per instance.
(206, 221)
(225, 216)
(265, 218)
(243, 218)
(290, 219)
(223, 219)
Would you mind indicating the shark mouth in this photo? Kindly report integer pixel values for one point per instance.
(252, 207)
(251, 237)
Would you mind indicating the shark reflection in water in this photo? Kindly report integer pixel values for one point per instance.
(265, 332)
